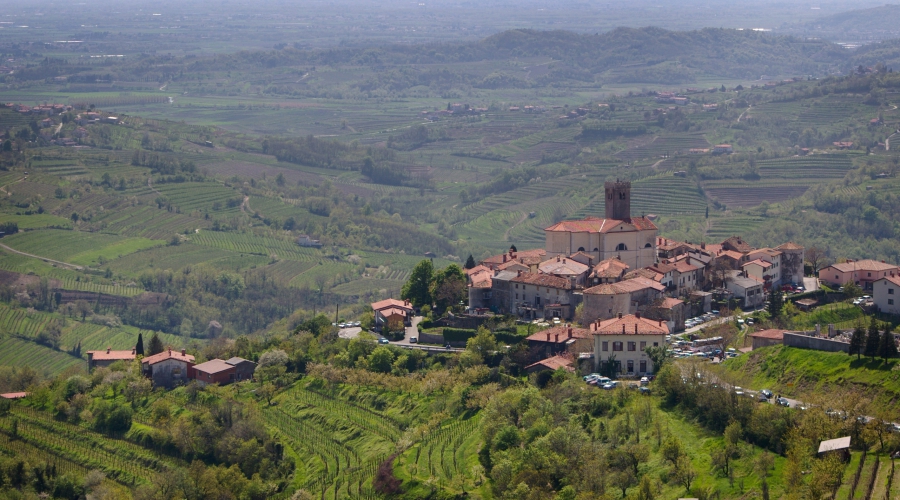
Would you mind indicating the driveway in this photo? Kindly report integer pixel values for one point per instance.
(811, 284)
(349, 333)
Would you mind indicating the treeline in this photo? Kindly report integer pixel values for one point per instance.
(161, 164)
(512, 179)
(309, 151)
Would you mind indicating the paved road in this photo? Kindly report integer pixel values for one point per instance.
(349, 333)
(413, 331)
(811, 284)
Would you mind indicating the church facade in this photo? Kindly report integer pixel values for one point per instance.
(618, 235)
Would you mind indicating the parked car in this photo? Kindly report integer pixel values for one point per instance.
(413, 340)
(644, 390)
(645, 381)
(590, 376)
(384, 341)
(762, 398)
(767, 393)
(783, 402)
(612, 384)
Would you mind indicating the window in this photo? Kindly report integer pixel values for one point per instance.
(517, 286)
(836, 277)
(656, 344)
(605, 345)
(890, 291)
(580, 249)
(868, 275)
(890, 302)
(643, 345)
(647, 245)
(517, 296)
(617, 346)
(621, 246)
(630, 366)
(643, 366)
(632, 346)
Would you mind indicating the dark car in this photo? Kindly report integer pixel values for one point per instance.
(767, 393)
(783, 402)
(760, 397)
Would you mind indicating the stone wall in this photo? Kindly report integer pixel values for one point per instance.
(816, 343)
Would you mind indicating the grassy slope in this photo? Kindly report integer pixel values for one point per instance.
(796, 372)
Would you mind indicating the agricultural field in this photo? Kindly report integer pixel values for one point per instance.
(46, 361)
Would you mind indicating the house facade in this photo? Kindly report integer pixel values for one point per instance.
(622, 341)
(535, 295)
(749, 290)
(861, 272)
(389, 310)
(168, 368)
(625, 297)
(243, 368)
(886, 294)
(214, 371)
(105, 358)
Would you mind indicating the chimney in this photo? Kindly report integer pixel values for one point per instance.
(132, 351)
(635, 329)
(570, 333)
(504, 258)
(660, 322)
(170, 351)
(183, 353)
(620, 315)
(557, 258)
(107, 350)
(623, 328)
(703, 245)
(637, 315)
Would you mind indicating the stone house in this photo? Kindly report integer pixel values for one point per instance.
(168, 368)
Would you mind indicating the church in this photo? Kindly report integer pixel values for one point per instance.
(631, 239)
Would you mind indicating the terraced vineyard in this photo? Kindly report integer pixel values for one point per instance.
(189, 196)
(17, 321)
(364, 286)
(735, 193)
(250, 244)
(817, 167)
(725, 227)
(122, 461)
(664, 145)
(17, 352)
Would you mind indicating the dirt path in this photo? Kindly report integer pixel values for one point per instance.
(150, 185)
(521, 220)
(745, 112)
(45, 259)
(3, 188)
(245, 205)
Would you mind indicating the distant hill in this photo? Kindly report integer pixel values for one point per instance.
(877, 23)
(651, 55)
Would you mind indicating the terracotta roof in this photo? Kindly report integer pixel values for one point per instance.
(168, 354)
(392, 311)
(629, 324)
(559, 334)
(477, 269)
(213, 366)
(771, 334)
(554, 363)
(730, 253)
(789, 246)
(597, 225)
(644, 273)
(382, 304)
(14, 395)
(737, 244)
(563, 266)
(583, 256)
(893, 279)
(547, 280)
(609, 268)
(670, 302)
(498, 259)
(759, 262)
(513, 265)
(684, 267)
(667, 244)
(863, 265)
(628, 286)
(483, 283)
(108, 355)
(662, 267)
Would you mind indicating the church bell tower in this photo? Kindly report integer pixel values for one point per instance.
(618, 200)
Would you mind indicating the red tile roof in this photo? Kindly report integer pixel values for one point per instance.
(547, 280)
(108, 355)
(382, 304)
(684, 267)
(554, 363)
(629, 324)
(628, 286)
(559, 334)
(14, 395)
(893, 279)
(759, 262)
(863, 265)
(737, 244)
(393, 310)
(670, 302)
(789, 246)
(597, 225)
(563, 266)
(609, 268)
(771, 334)
(168, 354)
(477, 269)
(526, 254)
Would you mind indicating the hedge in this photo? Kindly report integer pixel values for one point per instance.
(506, 336)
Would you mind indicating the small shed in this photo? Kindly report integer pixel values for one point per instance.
(766, 338)
(806, 304)
(552, 364)
(840, 446)
(243, 368)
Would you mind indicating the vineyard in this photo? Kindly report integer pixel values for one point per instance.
(17, 352)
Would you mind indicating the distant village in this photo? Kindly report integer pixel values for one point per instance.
(631, 288)
(51, 119)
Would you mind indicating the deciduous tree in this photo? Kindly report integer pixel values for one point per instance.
(417, 288)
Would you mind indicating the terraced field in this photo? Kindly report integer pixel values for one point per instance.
(817, 167)
(17, 352)
(190, 196)
(250, 244)
(99, 337)
(664, 145)
(76, 246)
(737, 193)
(366, 286)
(725, 227)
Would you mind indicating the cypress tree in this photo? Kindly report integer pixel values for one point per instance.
(156, 345)
(888, 348)
(776, 303)
(470, 262)
(857, 341)
(139, 347)
(873, 339)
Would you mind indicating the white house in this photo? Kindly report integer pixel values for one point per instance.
(886, 294)
(624, 340)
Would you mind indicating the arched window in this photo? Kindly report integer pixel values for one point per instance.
(580, 249)
(621, 247)
(596, 249)
(647, 245)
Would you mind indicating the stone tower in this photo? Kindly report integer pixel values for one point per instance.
(618, 200)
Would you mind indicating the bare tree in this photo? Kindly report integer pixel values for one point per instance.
(817, 258)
